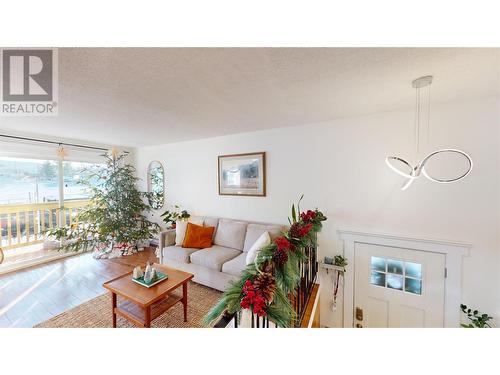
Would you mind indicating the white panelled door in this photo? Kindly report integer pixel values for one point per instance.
(396, 287)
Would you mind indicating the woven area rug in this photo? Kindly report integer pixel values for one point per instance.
(96, 313)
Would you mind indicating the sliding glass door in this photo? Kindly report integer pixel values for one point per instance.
(37, 195)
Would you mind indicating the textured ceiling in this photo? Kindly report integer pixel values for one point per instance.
(146, 96)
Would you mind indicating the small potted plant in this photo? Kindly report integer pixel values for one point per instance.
(477, 320)
(171, 216)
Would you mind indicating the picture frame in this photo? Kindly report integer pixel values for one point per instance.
(242, 174)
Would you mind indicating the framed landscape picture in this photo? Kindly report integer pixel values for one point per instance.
(243, 174)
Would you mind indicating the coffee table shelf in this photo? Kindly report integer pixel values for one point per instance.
(141, 305)
(135, 313)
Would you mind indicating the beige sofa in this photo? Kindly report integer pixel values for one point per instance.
(222, 263)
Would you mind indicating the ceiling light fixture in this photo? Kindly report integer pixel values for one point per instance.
(405, 168)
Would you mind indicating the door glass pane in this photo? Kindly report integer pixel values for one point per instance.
(389, 273)
(395, 282)
(413, 286)
(395, 266)
(378, 278)
(413, 270)
(378, 264)
(29, 204)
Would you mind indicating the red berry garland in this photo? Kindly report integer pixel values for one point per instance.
(280, 256)
(253, 298)
(308, 216)
(293, 232)
(259, 292)
(303, 231)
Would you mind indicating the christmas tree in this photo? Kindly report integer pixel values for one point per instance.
(115, 217)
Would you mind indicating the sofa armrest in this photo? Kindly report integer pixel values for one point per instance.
(167, 238)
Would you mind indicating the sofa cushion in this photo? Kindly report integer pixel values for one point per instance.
(231, 234)
(177, 253)
(214, 257)
(236, 265)
(254, 231)
(198, 220)
(211, 222)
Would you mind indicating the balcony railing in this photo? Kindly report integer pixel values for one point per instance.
(299, 299)
(25, 224)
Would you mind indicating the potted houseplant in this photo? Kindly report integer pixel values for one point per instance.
(171, 216)
(115, 221)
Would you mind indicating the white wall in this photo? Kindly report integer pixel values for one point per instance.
(340, 168)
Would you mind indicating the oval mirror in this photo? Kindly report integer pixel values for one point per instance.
(156, 184)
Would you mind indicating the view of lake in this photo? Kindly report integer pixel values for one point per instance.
(25, 181)
(26, 191)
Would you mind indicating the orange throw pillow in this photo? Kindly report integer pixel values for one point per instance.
(198, 237)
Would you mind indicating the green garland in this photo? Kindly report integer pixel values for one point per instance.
(266, 284)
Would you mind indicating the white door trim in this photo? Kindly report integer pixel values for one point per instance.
(453, 252)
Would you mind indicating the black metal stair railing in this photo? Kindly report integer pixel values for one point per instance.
(299, 299)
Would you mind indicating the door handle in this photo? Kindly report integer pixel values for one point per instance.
(359, 314)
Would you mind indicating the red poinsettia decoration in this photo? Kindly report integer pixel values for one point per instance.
(282, 243)
(253, 298)
(304, 230)
(308, 216)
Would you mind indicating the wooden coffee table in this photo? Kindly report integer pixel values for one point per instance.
(141, 305)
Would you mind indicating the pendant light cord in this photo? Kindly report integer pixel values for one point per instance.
(411, 173)
(429, 117)
(417, 123)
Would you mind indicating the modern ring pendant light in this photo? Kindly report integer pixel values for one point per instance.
(406, 169)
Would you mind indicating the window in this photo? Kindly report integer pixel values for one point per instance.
(24, 181)
(73, 172)
(396, 274)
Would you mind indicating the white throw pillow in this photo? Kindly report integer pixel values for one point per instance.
(180, 229)
(261, 242)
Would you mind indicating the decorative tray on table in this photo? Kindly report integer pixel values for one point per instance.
(159, 277)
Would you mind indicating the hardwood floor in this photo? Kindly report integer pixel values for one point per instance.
(35, 294)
